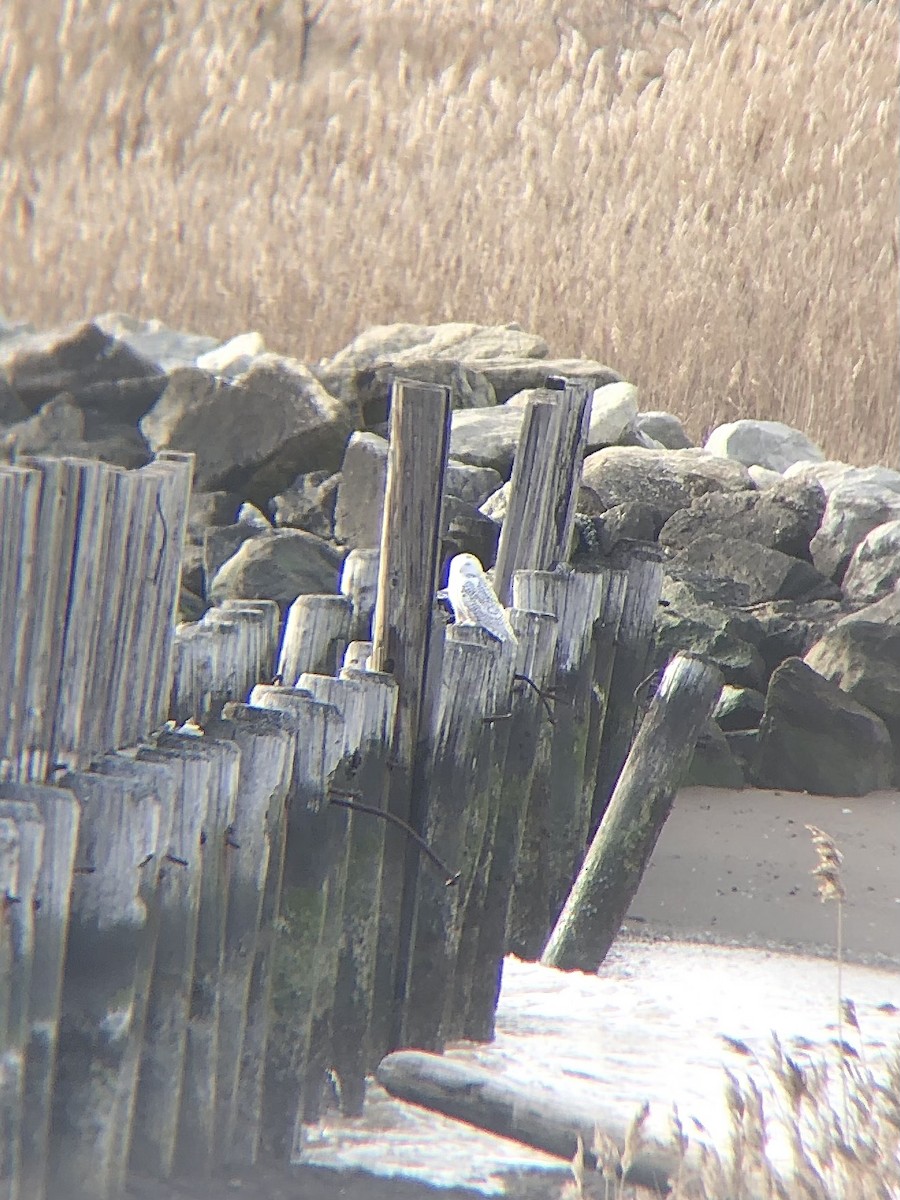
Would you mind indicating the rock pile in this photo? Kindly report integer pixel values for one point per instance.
(781, 567)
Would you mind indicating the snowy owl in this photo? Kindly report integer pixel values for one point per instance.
(473, 599)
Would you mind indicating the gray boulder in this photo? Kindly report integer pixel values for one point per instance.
(166, 348)
(210, 508)
(487, 437)
(833, 473)
(766, 443)
(510, 376)
(768, 574)
(367, 389)
(664, 428)
(631, 522)
(854, 508)
(254, 434)
(885, 611)
(308, 504)
(725, 638)
(233, 357)
(280, 565)
(863, 659)
(457, 340)
(471, 483)
(783, 518)
(739, 708)
(874, 570)
(193, 577)
(815, 738)
(52, 430)
(220, 543)
(713, 764)
(666, 480)
(41, 366)
(359, 507)
(468, 531)
(789, 629)
(613, 411)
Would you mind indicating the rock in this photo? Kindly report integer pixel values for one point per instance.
(511, 376)
(684, 587)
(12, 410)
(666, 480)
(886, 611)
(255, 433)
(457, 340)
(52, 430)
(631, 522)
(713, 764)
(124, 447)
(220, 543)
(768, 574)
(280, 565)
(210, 508)
(874, 570)
(233, 357)
(191, 607)
(250, 515)
(467, 531)
(863, 659)
(764, 443)
(359, 508)
(487, 437)
(721, 637)
(814, 738)
(764, 478)
(743, 743)
(470, 483)
(192, 572)
(789, 629)
(854, 508)
(367, 390)
(784, 518)
(664, 428)
(832, 474)
(166, 348)
(739, 708)
(41, 366)
(497, 503)
(308, 504)
(613, 411)
(119, 402)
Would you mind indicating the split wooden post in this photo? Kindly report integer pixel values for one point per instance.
(312, 888)
(20, 917)
(9, 881)
(160, 1081)
(359, 583)
(576, 598)
(606, 632)
(315, 634)
(409, 560)
(195, 1138)
(466, 691)
(368, 703)
(482, 811)
(118, 838)
(20, 500)
(529, 728)
(268, 623)
(60, 813)
(644, 565)
(612, 871)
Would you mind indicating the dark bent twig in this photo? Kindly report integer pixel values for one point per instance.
(545, 697)
(450, 877)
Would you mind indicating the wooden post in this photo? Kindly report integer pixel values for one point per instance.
(368, 703)
(615, 863)
(313, 858)
(526, 1114)
(484, 793)
(9, 1003)
(529, 725)
(409, 560)
(266, 765)
(59, 812)
(606, 632)
(576, 598)
(194, 673)
(359, 583)
(20, 499)
(643, 562)
(20, 904)
(265, 616)
(118, 839)
(195, 1139)
(466, 692)
(315, 634)
(158, 1097)
(148, 782)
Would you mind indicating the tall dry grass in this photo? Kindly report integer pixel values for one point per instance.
(702, 194)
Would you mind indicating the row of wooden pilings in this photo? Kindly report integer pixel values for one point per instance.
(318, 838)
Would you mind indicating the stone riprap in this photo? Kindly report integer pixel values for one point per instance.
(783, 567)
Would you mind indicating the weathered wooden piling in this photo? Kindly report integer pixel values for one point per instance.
(195, 1140)
(9, 1002)
(641, 802)
(59, 813)
(576, 598)
(529, 728)
(359, 583)
(466, 693)
(368, 703)
(643, 563)
(606, 634)
(118, 837)
(315, 634)
(20, 499)
(409, 560)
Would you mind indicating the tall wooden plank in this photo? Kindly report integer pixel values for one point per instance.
(60, 815)
(20, 494)
(409, 560)
(606, 633)
(315, 634)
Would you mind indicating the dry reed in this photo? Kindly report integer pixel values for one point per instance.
(703, 195)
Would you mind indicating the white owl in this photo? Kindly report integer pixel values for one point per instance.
(474, 601)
